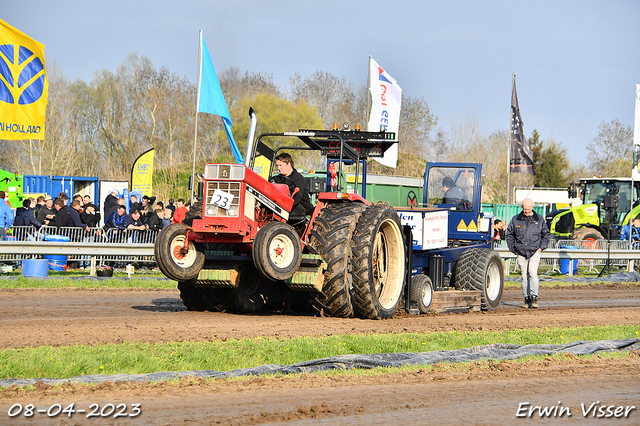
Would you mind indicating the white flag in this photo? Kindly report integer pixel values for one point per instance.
(386, 97)
(636, 137)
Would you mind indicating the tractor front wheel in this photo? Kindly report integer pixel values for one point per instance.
(277, 251)
(172, 259)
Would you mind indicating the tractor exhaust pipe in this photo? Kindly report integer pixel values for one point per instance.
(252, 135)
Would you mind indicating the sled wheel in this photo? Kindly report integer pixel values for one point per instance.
(378, 262)
(277, 251)
(170, 255)
(481, 269)
(421, 292)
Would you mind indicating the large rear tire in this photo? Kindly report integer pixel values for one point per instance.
(331, 238)
(170, 256)
(191, 296)
(481, 269)
(249, 294)
(378, 262)
(277, 251)
(200, 299)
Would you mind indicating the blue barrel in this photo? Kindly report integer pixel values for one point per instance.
(564, 266)
(57, 262)
(35, 268)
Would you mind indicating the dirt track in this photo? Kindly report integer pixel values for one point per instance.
(484, 393)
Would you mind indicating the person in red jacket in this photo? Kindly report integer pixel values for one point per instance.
(181, 211)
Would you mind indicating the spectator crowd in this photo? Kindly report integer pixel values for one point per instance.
(122, 221)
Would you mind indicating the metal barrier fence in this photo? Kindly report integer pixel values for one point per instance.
(118, 246)
(623, 255)
(89, 237)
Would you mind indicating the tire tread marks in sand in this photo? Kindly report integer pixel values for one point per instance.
(331, 237)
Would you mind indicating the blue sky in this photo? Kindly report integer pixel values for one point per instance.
(576, 62)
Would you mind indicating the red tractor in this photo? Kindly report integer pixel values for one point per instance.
(241, 249)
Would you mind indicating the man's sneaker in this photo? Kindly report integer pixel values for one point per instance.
(527, 303)
(534, 302)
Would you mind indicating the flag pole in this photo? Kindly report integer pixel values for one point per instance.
(513, 82)
(636, 144)
(368, 114)
(195, 135)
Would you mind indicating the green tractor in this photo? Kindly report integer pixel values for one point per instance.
(606, 203)
(12, 184)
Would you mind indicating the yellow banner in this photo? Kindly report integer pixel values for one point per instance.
(142, 173)
(23, 85)
(262, 166)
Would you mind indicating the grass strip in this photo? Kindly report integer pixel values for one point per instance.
(83, 281)
(139, 358)
(156, 280)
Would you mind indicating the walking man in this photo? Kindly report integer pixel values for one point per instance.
(527, 236)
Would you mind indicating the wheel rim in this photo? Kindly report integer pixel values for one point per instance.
(388, 264)
(281, 251)
(180, 259)
(426, 295)
(492, 281)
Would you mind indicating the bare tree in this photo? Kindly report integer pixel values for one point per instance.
(58, 152)
(324, 91)
(610, 152)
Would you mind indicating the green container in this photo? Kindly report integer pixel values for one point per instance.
(500, 211)
(398, 191)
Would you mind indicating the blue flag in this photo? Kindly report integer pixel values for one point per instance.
(210, 98)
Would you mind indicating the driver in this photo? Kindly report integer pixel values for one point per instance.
(290, 176)
(454, 195)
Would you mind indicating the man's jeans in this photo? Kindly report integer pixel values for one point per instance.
(529, 268)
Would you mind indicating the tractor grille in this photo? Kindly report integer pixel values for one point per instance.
(232, 209)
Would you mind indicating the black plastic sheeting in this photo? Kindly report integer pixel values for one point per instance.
(496, 351)
(621, 277)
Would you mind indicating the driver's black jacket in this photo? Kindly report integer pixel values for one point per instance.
(302, 196)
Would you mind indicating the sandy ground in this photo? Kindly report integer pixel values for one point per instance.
(480, 393)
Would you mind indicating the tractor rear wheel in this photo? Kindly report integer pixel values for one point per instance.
(191, 296)
(331, 238)
(481, 269)
(197, 298)
(249, 295)
(378, 262)
(277, 251)
(170, 255)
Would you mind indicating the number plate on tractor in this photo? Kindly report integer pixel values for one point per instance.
(222, 199)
